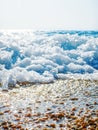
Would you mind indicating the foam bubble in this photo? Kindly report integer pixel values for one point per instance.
(45, 56)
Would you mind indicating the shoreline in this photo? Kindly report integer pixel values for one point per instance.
(61, 105)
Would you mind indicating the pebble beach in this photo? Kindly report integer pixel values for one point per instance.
(69, 104)
(48, 80)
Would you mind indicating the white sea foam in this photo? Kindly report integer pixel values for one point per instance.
(45, 56)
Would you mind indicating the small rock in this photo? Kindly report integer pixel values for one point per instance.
(73, 99)
(61, 125)
(5, 90)
(53, 125)
(48, 109)
(43, 119)
(6, 111)
(5, 127)
(1, 113)
(95, 103)
(28, 115)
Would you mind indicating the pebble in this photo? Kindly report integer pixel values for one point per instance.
(53, 125)
(1, 113)
(28, 115)
(73, 98)
(95, 103)
(43, 119)
(7, 111)
(5, 127)
(61, 125)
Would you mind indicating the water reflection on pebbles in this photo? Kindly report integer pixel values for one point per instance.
(49, 105)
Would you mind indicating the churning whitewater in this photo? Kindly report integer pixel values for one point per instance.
(43, 56)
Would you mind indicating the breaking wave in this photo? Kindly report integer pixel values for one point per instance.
(45, 56)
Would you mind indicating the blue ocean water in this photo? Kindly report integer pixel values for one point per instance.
(43, 56)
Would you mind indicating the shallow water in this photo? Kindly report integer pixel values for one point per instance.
(62, 96)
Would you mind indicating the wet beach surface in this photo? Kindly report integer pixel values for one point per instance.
(70, 104)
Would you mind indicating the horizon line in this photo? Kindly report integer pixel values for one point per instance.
(10, 30)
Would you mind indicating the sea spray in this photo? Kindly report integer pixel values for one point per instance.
(44, 56)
